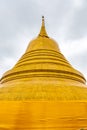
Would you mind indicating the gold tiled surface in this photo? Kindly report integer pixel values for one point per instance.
(40, 115)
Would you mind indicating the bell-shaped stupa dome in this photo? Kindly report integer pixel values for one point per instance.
(43, 73)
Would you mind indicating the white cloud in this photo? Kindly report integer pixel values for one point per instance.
(78, 3)
(74, 47)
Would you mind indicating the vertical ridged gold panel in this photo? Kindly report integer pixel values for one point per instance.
(46, 115)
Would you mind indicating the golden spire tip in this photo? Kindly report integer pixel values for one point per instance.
(42, 17)
(43, 22)
(43, 31)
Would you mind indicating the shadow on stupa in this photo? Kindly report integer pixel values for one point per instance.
(1, 128)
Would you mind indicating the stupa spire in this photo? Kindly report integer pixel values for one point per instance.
(43, 32)
(43, 21)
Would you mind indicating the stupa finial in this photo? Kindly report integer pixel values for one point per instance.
(43, 21)
(43, 32)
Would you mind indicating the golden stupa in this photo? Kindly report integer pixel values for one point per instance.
(43, 91)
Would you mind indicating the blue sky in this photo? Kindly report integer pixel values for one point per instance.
(65, 20)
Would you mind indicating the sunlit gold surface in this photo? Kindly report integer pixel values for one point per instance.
(44, 115)
(43, 91)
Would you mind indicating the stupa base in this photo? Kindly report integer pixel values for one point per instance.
(43, 115)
